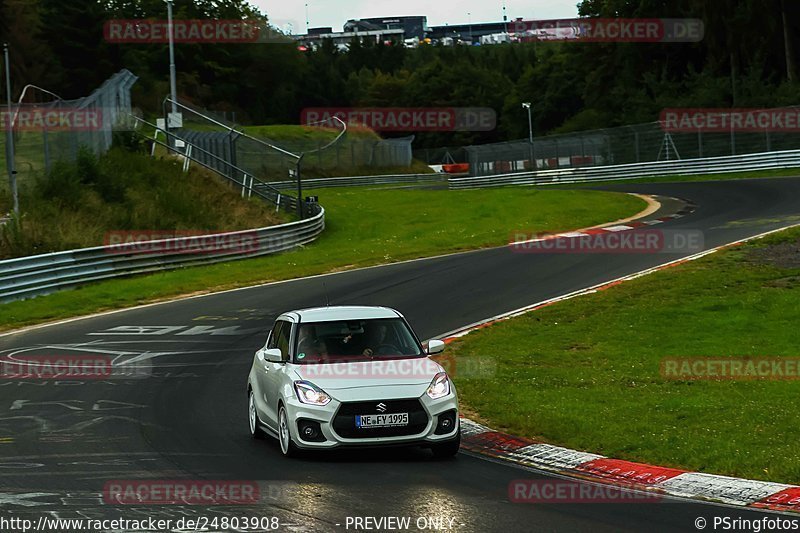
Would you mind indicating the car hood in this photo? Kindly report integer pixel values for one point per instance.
(415, 373)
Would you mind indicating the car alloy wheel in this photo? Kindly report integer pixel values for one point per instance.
(255, 430)
(288, 447)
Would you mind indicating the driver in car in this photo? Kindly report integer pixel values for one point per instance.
(376, 340)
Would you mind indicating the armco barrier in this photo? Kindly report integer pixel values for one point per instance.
(687, 167)
(359, 181)
(27, 277)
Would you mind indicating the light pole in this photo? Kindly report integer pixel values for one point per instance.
(528, 106)
(470, 27)
(12, 169)
(173, 84)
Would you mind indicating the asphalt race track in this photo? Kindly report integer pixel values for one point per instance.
(60, 442)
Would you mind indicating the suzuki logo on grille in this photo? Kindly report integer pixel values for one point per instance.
(381, 407)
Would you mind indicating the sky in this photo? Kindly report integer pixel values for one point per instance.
(335, 13)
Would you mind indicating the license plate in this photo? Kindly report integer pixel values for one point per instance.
(382, 421)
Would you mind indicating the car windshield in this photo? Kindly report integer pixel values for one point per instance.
(355, 340)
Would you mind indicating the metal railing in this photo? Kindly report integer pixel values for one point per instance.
(240, 178)
(361, 181)
(690, 167)
(28, 277)
(622, 145)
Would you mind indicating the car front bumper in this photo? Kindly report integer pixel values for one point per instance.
(338, 428)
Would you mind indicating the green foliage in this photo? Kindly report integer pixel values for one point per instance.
(741, 62)
(444, 221)
(76, 204)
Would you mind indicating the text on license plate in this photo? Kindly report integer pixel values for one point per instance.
(382, 421)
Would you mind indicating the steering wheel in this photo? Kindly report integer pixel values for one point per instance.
(388, 349)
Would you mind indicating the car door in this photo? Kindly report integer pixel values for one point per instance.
(274, 371)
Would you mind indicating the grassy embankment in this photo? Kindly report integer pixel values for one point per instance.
(586, 373)
(364, 227)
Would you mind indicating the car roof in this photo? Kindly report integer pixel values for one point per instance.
(326, 314)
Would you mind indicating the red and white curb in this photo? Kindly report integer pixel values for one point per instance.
(584, 465)
(597, 468)
(614, 228)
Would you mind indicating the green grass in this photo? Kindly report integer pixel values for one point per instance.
(364, 227)
(76, 205)
(585, 373)
(284, 132)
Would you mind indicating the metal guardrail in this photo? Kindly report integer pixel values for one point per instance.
(27, 277)
(360, 181)
(687, 167)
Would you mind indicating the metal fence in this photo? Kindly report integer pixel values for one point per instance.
(716, 165)
(198, 154)
(28, 277)
(361, 181)
(39, 142)
(327, 145)
(619, 146)
(447, 155)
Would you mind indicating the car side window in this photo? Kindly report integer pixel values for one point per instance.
(282, 341)
(272, 342)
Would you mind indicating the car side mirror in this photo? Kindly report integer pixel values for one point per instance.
(435, 347)
(273, 356)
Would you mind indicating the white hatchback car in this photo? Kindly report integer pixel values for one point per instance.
(351, 376)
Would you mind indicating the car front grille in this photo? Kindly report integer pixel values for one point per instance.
(344, 424)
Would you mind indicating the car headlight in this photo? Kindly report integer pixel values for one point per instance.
(440, 386)
(311, 394)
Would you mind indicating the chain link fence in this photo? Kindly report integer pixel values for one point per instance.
(325, 148)
(448, 155)
(639, 143)
(56, 129)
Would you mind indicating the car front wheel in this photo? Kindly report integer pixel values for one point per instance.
(288, 447)
(255, 429)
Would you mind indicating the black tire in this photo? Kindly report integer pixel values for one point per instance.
(447, 449)
(252, 417)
